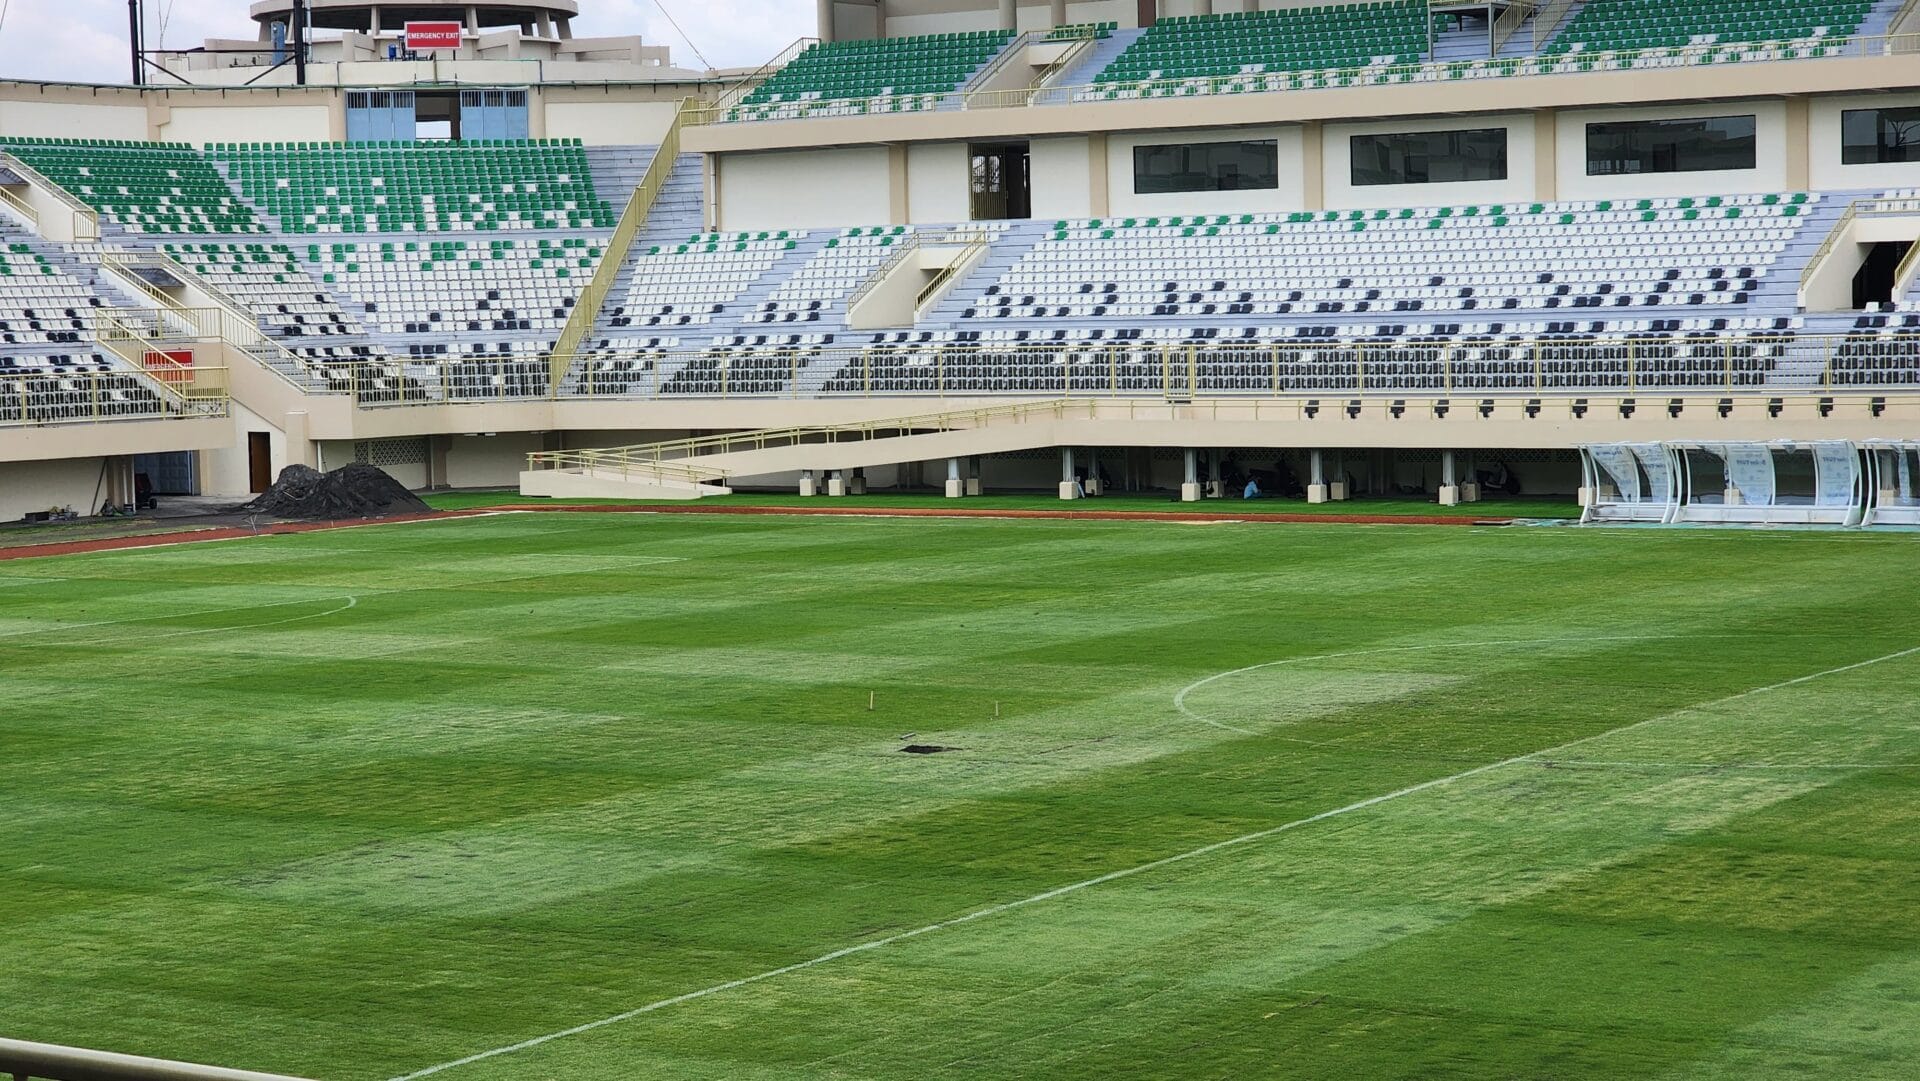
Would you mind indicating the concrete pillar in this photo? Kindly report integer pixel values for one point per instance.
(1470, 487)
(1449, 481)
(1057, 13)
(473, 21)
(973, 475)
(955, 487)
(807, 487)
(1205, 6)
(824, 16)
(373, 20)
(566, 28)
(836, 483)
(879, 18)
(1317, 477)
(1093, 485)
(1216, 485)
(1009, 15)
(545, 25)
(1069, 487)
(1190, 486)
(1337, 487)
(858, 484)
(1732, 496)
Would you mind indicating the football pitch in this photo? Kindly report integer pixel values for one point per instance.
(612, 796)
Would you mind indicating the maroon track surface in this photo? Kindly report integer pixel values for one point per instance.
(190, 536)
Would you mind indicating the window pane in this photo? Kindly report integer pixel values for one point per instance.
(1179, 167)
(1430, 157)
(1670, 146)
(1879, 136)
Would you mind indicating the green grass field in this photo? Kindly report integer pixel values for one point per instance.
(1259, 801)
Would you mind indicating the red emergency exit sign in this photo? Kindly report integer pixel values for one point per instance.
(423, 36)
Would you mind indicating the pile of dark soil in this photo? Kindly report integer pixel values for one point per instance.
(352, 491)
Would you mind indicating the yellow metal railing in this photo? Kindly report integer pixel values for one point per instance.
(86, 220)
(1509, 21)
(1546, 19)
(586, 310)
(680, 450)
(19, 206)
(228, 320)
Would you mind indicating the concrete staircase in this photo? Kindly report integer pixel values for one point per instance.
(617, 170)
(1094, 62)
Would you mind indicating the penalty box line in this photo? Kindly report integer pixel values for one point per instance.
(1129, 872)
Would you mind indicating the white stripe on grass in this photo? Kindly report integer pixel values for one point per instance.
(1129, 872)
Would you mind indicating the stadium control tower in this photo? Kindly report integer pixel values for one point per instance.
(360, 42)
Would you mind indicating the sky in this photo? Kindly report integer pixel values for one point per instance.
(86, 40)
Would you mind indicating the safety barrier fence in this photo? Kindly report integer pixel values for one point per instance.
(85, 221)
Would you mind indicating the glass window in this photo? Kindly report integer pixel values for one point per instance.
(1670, 146)
(1430, 157)
(1249, 166)
(1879, 136)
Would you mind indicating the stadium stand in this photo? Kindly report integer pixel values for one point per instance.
(1292, 39)
(1619, 25)
(451, 287)
(389, 187)
(887, 75)
(269, 281)
(140, 187)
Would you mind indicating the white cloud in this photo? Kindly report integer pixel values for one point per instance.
(86, 40)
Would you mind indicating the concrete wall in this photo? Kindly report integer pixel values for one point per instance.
(489, 461)
(267, 121)
(1337, 168)
(30, 487)
(1063, 173)
(1826, 169)
(225, 471)
(54, 119)
(939, 183)
(609, 123)
(805, 189)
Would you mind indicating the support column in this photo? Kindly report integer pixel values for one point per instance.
(373, 21)
(973, 475)
(807, 487)
(1093, 485)
(1190, 487)
(836, 483)
(1449, 482)
(880, 19)
(566, 28)
(1470, 487)
(544, 24)
(823, 14)
(1337, 487)
(1057, 15)
(1216, 484)
(955, 487)
(1009, 15)
(1069, 485)
(858, 485)
(473, 21)
(1317, 477)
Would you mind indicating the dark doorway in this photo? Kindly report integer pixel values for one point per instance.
(1874, 283)
(1148, 11)
(1002, 187)
(259, 461)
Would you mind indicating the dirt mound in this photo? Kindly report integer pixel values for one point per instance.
(352, 491)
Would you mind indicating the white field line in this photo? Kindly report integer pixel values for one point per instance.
(1129, 872)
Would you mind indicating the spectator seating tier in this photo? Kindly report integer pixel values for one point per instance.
(1292, 39)
(906, 73)
(1609, 25)
(142, 187)
(390, 187)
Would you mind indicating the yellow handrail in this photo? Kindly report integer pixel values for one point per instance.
(586, 309)
(82, 213)
(821, 433)
(20, 207)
